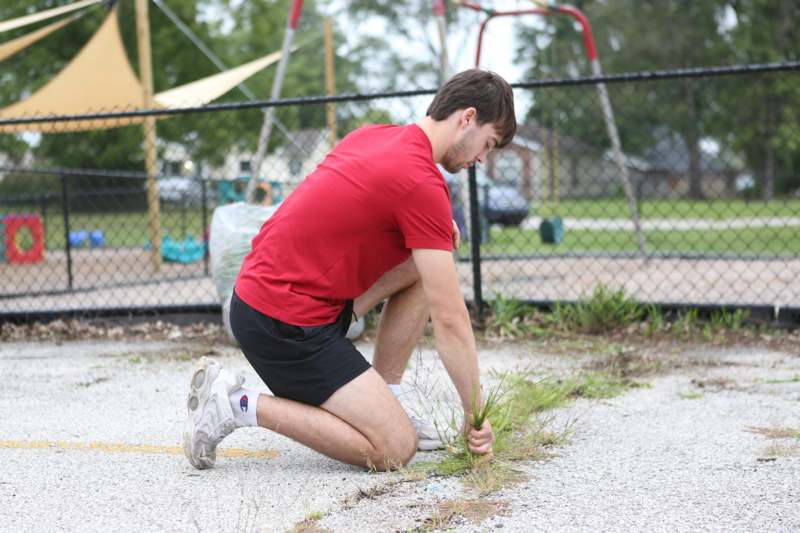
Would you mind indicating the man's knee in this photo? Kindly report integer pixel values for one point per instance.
(394, 453)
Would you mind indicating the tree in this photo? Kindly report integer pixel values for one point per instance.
(635, 35)
(236, 31)
(761, 115)
(392, 60)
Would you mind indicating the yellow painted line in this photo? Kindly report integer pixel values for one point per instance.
(109, 447)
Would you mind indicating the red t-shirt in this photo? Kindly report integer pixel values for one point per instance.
(376, 196)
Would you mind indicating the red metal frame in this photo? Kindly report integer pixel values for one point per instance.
(574, 12)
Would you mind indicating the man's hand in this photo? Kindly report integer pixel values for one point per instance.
(480, 440)
(456, 235)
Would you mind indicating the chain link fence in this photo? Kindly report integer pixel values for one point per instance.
(712, 158)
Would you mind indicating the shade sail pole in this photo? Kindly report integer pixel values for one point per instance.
(441, 26)
(330, 81)
(146, 73)
(269, 115)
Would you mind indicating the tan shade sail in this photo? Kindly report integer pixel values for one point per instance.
(13, 46)
(44, 15)
(208, 89)
(99, 78)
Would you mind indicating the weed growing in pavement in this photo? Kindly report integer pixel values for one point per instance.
(775, 433)
(654, 320)
(309, 524)
(686, 322)
(691, 395)
(605, 310)
(511, 318)
(793, 379)
(520, 429)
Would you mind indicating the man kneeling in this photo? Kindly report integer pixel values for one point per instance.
(373, 222)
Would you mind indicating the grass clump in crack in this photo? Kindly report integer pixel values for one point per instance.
(516, 406)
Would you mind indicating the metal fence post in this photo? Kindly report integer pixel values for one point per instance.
(67, 244)
(475, 243)
(204, 211)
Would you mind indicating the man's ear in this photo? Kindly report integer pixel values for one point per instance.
(467, 116)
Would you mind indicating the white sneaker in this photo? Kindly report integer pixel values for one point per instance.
(210, 418)
(426, 433)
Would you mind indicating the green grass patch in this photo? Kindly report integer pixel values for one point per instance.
(125, 229)
(512, 242)
(678, 209)
(692, 395)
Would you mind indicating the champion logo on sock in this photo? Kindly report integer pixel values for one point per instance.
(243, 403)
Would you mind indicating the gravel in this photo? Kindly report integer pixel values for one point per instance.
(678, 455)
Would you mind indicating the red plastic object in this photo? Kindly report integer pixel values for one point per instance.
(13, 224)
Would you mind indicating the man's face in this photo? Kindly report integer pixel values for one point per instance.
(472, 145)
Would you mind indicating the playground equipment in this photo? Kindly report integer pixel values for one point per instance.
(551, 228)
(94, 239)
(269, 114)
(188, 250)
(549, 9)
(15, 227)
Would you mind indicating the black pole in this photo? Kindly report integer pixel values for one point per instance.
(475, 242)
(204, 212)
(67, 245)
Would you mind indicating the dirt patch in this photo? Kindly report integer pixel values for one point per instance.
(451, 513)
(67, 330)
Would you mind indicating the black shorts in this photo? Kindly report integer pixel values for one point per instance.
(302, 363)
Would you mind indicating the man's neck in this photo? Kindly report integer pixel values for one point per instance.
(439, 134)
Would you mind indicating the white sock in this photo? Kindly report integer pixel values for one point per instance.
(244, 403)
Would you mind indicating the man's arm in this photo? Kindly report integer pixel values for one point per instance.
(455, 341)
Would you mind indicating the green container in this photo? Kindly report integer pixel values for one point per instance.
(551, 230)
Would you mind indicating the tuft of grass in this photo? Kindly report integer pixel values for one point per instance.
(686, 322)
(654, 320)
(511, 318)
(793, 379)
(691, 395)
(602, 312)
(309, 524)
(775, 432)
(137, 359)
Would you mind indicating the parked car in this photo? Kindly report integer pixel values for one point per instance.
(181, 190)
(500, 204)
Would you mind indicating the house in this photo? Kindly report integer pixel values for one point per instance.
(668, 175)
(287, 165)
(538, 156)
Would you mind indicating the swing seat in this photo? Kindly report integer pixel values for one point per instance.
(551, 230)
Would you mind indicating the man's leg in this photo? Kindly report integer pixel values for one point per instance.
(362, 424)
(403, 318)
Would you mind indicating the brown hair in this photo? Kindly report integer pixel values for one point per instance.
(487, 92)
